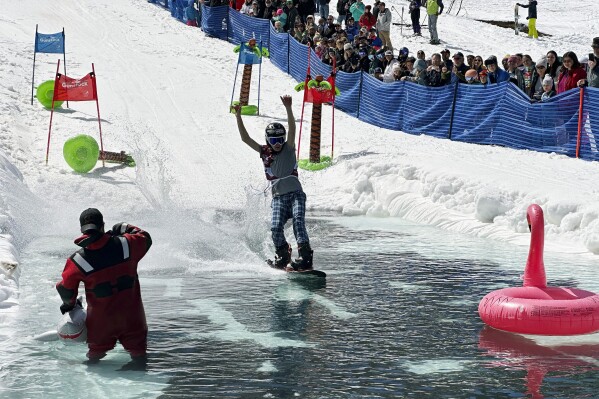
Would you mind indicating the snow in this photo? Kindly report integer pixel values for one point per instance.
(164, 90)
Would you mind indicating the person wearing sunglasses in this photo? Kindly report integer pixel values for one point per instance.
(538, 76)
(288, 197)
(570, 73)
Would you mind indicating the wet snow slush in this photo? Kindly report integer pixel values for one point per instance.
(389, 321)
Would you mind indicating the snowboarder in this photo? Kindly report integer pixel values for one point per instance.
(288, 198)
(107, 266)
(532, 18)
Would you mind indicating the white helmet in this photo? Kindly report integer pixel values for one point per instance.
(71, 327)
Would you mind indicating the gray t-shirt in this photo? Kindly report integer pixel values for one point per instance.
(281, 169)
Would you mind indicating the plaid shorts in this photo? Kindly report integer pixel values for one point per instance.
(285, 207)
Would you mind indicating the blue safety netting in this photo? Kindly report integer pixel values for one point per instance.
(215, 21)
(492, 114)
(589, 141)
(279, 49)
(242, 28)
(163, 3)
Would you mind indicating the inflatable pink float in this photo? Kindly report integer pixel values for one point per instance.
(536, 308)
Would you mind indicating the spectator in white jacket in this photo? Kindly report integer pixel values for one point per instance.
(383, 26)
(390, 62)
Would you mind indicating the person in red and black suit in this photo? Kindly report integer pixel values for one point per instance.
(107, 266)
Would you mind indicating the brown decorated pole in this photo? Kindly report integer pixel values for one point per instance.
(315, 128)
(315, 133)
(246, 82)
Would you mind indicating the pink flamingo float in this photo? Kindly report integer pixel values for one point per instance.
(536, 308)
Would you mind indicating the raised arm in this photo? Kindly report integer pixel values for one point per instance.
(245, 137)
(286, 100)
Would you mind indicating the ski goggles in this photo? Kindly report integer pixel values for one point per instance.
(276, 140)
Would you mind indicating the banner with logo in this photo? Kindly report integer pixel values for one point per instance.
(66, 88)
(50, 43)
(84, 89)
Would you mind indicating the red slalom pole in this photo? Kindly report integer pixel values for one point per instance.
(333, 111)
(299, 140)
(52, 112)
(581, 102)
(98, 108)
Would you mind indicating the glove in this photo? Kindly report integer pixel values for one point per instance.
(65, 308)
(119, 229)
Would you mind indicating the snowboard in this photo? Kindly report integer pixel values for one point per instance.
(295, 273)
(516, 27)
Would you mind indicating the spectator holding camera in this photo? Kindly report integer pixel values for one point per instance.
(592, 79)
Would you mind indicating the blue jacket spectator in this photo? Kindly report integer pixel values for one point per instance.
(494, 73)
(193, 15)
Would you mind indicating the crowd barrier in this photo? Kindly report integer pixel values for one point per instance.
(496, 114)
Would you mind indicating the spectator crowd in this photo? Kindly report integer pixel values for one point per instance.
(358, 39)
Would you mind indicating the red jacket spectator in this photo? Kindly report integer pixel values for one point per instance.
(367, 19)
(570, 73)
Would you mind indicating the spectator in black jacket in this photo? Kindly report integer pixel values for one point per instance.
(305, 8)
(292, 15)
(553, 64)
(532, 18)
(342, 10)
(515, 73)
(433, 76)
(269, 10)
(459, 67)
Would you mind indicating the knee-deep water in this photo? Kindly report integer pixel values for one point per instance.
(395, 318)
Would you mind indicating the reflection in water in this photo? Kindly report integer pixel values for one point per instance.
(519, 352)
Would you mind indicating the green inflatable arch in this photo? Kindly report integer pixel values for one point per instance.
(81, 153)
(44, 94)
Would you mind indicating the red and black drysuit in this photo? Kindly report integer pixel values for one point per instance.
(107, 266)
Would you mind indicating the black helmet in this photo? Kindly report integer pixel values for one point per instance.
(275, 129)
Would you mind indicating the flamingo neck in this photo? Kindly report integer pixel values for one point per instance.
(534, 274)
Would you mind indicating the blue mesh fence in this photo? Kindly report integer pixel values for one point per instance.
(215, 21)
(589, 141)
(242, 28)
(298, 60)
(279, 50)
(477, 110)
(494, 114)
(318, 67)
(349, 86)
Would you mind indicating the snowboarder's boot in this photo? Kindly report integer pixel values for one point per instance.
(282, 256)
(304, 262)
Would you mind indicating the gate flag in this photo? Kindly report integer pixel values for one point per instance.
(83, 89)
(66, 88)
(51, 43)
